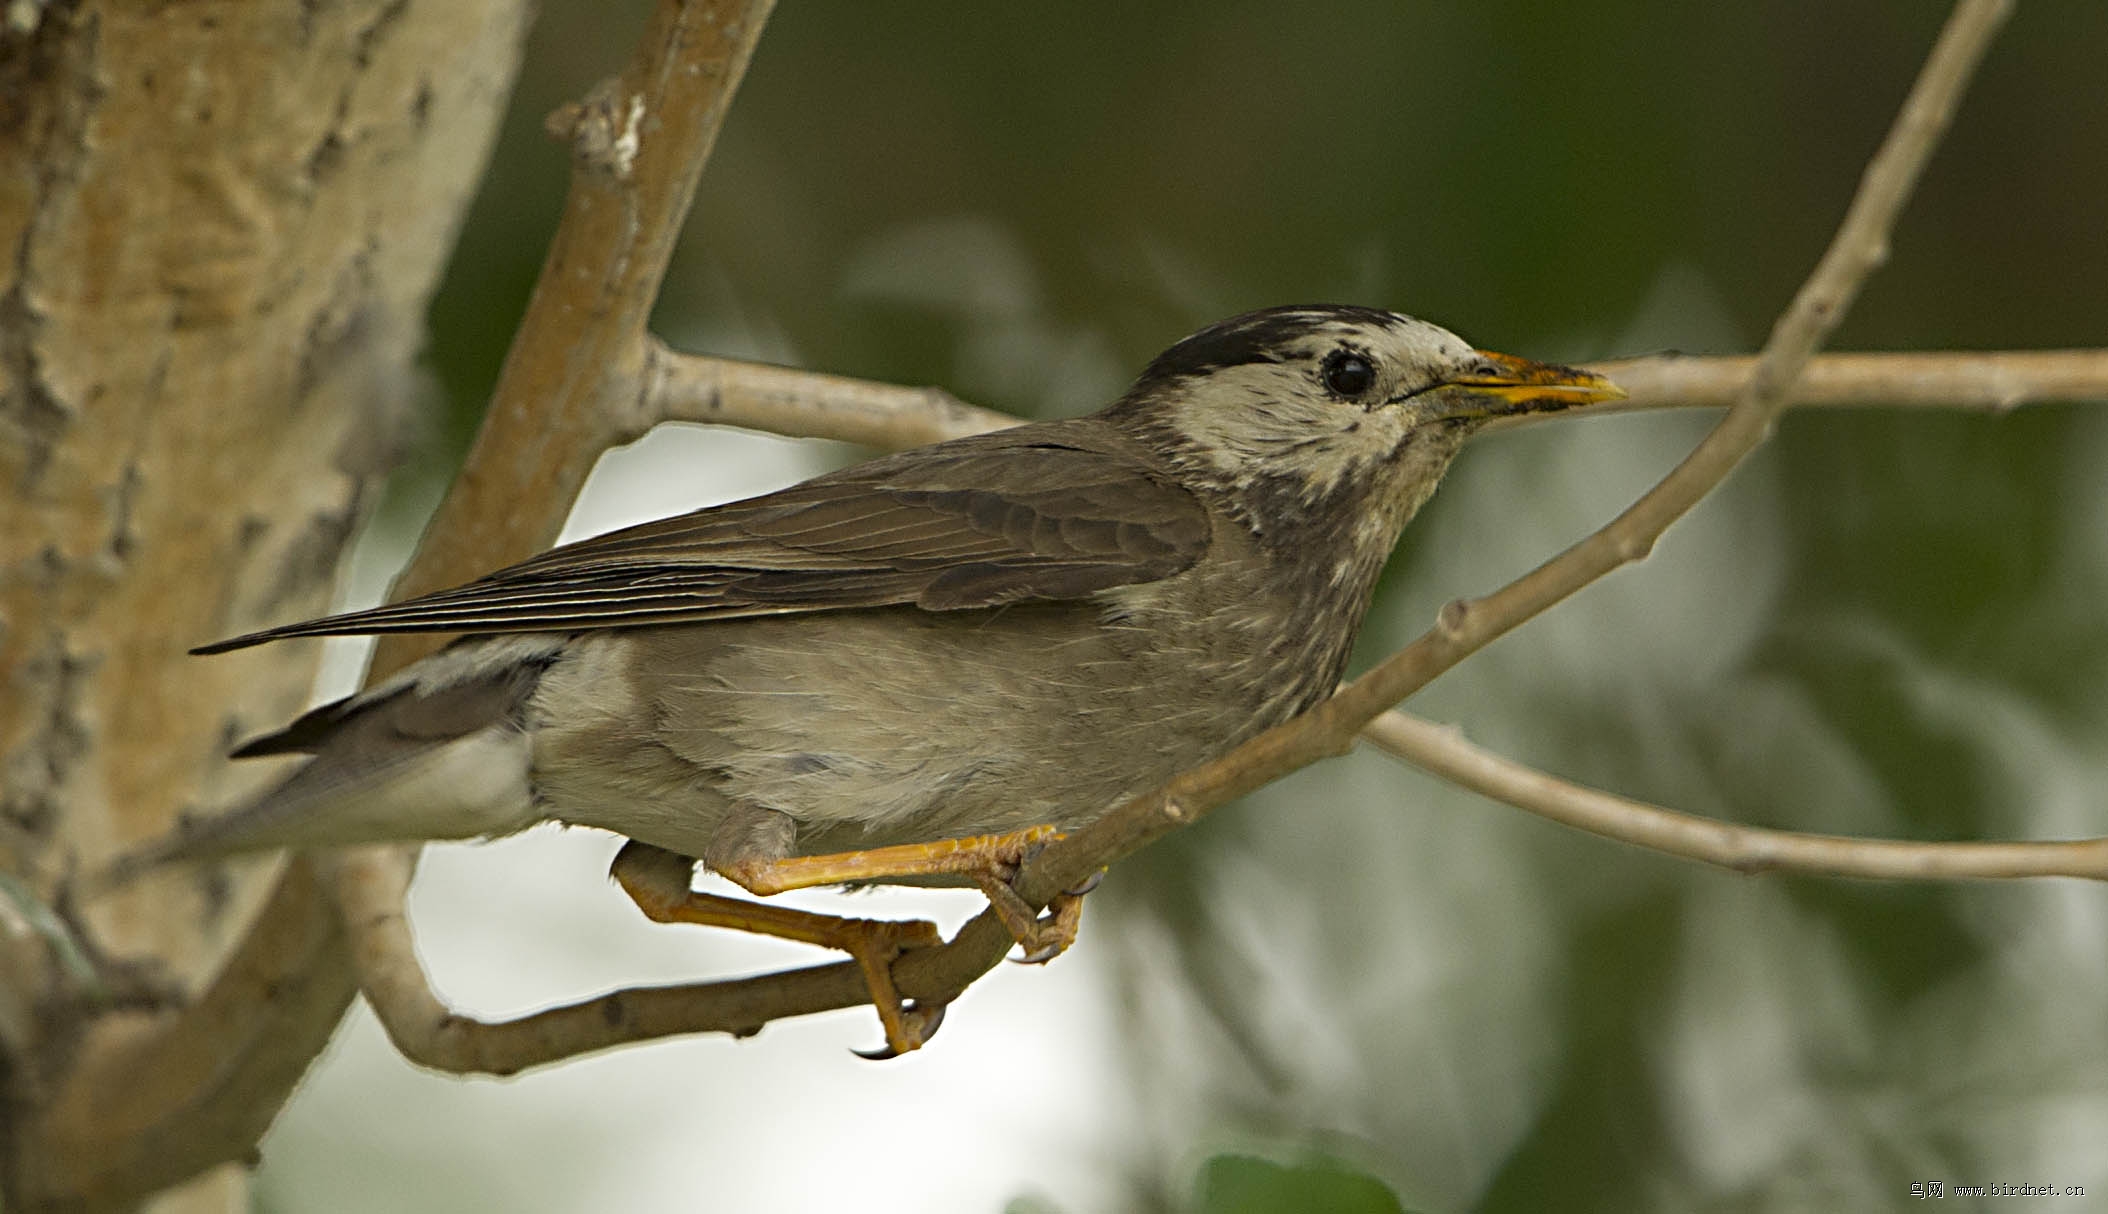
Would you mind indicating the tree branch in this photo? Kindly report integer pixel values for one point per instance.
(803, 404)
(683, 387)
(429, 1033)
(1992, 380)
(1442, 750)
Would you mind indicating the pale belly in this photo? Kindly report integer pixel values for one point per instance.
(869, 728)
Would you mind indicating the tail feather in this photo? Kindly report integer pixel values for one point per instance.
(296, 811)
(441, 752)
(307, 733)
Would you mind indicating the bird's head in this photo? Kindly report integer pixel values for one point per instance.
(1309, 415)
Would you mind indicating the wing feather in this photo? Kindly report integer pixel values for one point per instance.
(1041, 512)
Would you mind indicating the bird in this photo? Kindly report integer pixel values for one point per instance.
(920, 668)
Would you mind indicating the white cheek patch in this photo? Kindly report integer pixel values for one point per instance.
(1333, 453)
(1245, 420)
(1266, 419)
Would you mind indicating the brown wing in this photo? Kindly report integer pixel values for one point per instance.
(999, 518)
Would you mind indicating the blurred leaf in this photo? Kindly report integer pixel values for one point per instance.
(1247, 1184)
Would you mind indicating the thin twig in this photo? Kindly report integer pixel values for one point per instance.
(429, 1033)
(1443, 751)
(808, 404)
(1993, 380)
(804, 404)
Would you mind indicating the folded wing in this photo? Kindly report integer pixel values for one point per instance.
(980, 522)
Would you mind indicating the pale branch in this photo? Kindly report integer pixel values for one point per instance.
(809, 404)
(715, 392)
(804, 404)
(1987, 380)
(1442, 750)
(429, 1033)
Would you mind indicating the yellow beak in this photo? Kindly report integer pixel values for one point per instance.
(1516, 385)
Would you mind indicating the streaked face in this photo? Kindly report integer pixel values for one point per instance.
(1319, 395)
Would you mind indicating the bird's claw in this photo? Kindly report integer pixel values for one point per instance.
(921, 1022)
(875, 944)
(1041, 955)
(1051, 934)
(1086, 885)
(1042, 937)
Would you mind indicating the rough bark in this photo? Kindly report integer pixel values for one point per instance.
(222, 222)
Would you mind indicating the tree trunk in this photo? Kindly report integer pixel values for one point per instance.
(223, 222)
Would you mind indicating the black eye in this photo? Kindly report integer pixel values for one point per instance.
(1347, 374)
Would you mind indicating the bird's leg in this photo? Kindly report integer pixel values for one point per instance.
(657, 880)
(989, 861)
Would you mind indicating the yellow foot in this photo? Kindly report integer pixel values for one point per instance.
(989, 861)
(973, 857)
(657, 881)
(1043, 937)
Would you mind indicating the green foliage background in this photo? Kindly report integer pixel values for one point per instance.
(1889, 624)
